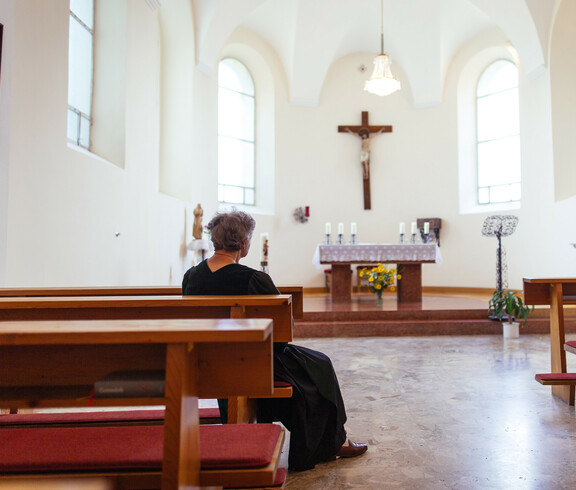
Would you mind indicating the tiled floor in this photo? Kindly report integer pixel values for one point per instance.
(448, 412)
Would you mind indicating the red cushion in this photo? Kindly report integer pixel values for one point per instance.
(80, 448)
(237, 445)
(130, 448)
(571, 343)
(553, 376)
(281, 384)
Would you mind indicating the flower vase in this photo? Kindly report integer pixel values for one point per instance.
(379, 294)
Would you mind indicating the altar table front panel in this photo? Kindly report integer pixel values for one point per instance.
(408, 257)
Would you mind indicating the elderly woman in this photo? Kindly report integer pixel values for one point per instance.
(315, 413)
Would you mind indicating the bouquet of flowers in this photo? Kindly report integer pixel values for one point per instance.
(379, 278)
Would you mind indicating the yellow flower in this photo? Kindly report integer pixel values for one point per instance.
(380, 269)
(371, 279)
(377, 286)
(361, 273)
(399, 276)
(392, 288)
(393, 271)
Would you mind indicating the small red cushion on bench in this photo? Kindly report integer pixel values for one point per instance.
(553, 376)
(281, 384)
(571, 343)
(71, 449)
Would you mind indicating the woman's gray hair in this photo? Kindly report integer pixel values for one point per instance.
(229, 230)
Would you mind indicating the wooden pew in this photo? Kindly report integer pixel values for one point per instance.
(295, 291)
(55, 363)
(554, 293)
(276, 307)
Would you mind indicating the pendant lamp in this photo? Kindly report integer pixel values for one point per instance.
(382, 82)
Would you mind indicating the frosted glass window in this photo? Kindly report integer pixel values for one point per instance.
(236, 128)
(80, 71)
(498, 134)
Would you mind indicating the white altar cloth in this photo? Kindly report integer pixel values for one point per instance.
(377, 252)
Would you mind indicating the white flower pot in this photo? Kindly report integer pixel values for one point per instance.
(511, 330)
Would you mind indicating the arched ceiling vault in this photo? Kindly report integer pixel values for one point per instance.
(420, 36)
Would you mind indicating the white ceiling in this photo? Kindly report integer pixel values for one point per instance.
(420, 36)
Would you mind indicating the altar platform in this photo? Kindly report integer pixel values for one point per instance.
(439, 313)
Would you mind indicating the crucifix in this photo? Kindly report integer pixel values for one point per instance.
(365, 132)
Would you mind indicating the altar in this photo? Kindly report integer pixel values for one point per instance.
(408, 258)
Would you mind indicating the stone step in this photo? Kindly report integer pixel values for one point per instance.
(422, 326)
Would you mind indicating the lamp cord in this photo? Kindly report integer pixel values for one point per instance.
(382, 27)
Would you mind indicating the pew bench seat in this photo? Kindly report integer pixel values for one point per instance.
(556, 379)
(232, 456)
(570, 346)
(98, 418)
(560, 379)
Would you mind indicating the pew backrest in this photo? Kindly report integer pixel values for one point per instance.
(295, 291)
(276, 307)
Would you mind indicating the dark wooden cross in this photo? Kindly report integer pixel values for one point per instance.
(365, 132)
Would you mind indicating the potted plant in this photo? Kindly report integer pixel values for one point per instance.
(506, 304)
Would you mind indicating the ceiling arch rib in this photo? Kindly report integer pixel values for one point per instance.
(318, 31)
(516, 21)
(215, 21)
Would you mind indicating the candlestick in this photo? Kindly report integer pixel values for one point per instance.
(353, 239)
(413, 241)
(401, 237)
(327, 238)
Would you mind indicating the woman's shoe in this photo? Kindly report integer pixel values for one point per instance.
(352, 450)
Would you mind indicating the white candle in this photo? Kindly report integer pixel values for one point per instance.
(353, 228)
(264, 247)
(402, 228)
(328, 229)
(413, 227)
(340, 228)
(426, 227)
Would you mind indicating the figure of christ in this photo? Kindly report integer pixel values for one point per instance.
(365, 137)
(365, 132)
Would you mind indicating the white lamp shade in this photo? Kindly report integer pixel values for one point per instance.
(382, 82)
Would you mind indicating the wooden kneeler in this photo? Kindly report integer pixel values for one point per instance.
(232, 456)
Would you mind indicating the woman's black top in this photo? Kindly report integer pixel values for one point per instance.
(315, 414)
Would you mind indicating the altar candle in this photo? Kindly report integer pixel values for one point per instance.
(353, 229)
(328, 229)
(426, 227)
(402, 228)
(264, 247)
(340, 228)
(414, 228)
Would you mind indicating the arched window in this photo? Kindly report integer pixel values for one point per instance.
(80, 72)
(498, 134)
(236, 129)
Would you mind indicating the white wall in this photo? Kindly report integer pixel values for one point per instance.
(66, 206)
(63, 208)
